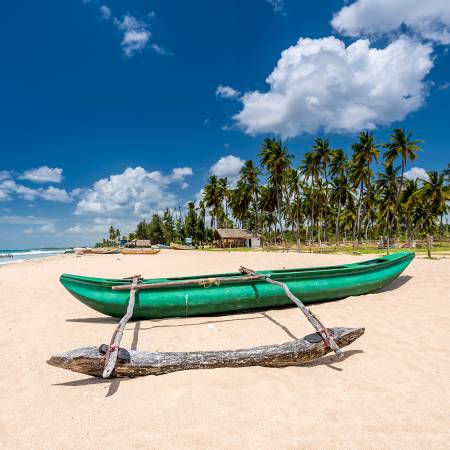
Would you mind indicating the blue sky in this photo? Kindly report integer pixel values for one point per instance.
(112, 109)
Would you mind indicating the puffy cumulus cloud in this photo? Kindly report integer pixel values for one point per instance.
(135, 34)
(322, 84)
(10, 187)
(430, 19)
(416, 172)
(227, 167)
(56, 195)
(180, 172)
(227, 92)
(135, 191)
(100, 226)
(43, 174)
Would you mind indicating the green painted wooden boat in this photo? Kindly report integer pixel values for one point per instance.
(211, 297)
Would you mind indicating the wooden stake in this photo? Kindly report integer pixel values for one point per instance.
(113, 350)
(313, 320)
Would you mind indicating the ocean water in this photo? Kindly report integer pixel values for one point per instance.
(27, 254)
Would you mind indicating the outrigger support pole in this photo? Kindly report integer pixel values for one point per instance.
(313, 319)
(113, 349)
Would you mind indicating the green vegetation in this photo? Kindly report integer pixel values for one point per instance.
(331, 202)
(334, 198)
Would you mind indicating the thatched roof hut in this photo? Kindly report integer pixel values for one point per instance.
(233, 237)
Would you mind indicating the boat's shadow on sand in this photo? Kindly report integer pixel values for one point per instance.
(397, 283)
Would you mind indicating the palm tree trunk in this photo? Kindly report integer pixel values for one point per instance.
(336, 228)
(429, 245)
(359, 212)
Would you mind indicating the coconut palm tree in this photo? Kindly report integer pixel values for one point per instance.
(250, 177)
(435, 193)
(365, 151)
(309, 168)
(294, 188)
(274, 157)
(400, 145)
(213, 199)
(324, 155)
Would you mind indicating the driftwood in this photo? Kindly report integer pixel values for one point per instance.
(313, 319)
(90, 361)
(113, 349)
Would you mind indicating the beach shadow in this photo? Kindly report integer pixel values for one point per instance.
(199, 323)
(331, 359)
(106, 320)
(115, 382)
(397, 283)
(283, 327)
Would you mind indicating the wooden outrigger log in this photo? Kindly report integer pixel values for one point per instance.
(91, 361)
(113, 361)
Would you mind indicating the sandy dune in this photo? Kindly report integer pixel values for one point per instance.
(391, 391)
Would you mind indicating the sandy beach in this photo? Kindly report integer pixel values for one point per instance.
(391, 390)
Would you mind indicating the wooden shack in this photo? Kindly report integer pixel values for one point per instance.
(139, 243)
(232, 237)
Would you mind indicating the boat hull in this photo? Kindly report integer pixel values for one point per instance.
(310, 285)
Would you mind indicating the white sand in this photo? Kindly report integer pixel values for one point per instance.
(391, 391)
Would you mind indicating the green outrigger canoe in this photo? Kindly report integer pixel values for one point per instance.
(233, 292)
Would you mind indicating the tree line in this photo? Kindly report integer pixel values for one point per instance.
(331, 197)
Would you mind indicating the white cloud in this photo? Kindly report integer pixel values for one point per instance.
(20, 220)
(416, 172)
(105, 12)
(10, 187)
(134, 191)
(277, 5)
(229, 167)
(4, 175)
(430, 19)
(184, 185)
(135, 34)
(322, 84)
(56, 195)
(227, 92)
(43, 174)
(161, 50)
(47, 228)
(180, 172)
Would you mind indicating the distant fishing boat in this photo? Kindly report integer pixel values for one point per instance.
(219, 293)
(140, 251)
(175, 246)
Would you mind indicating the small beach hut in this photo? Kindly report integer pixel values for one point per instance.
(232, 237)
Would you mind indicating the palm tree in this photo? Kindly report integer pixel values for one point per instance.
(294, 188)
(276, 159)
(400, 145)
(365, 151)
(324, 155)
(212, 198)
(388, 189)
(338, 171)
(435, 194)
(250, 177)
(309, 168)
